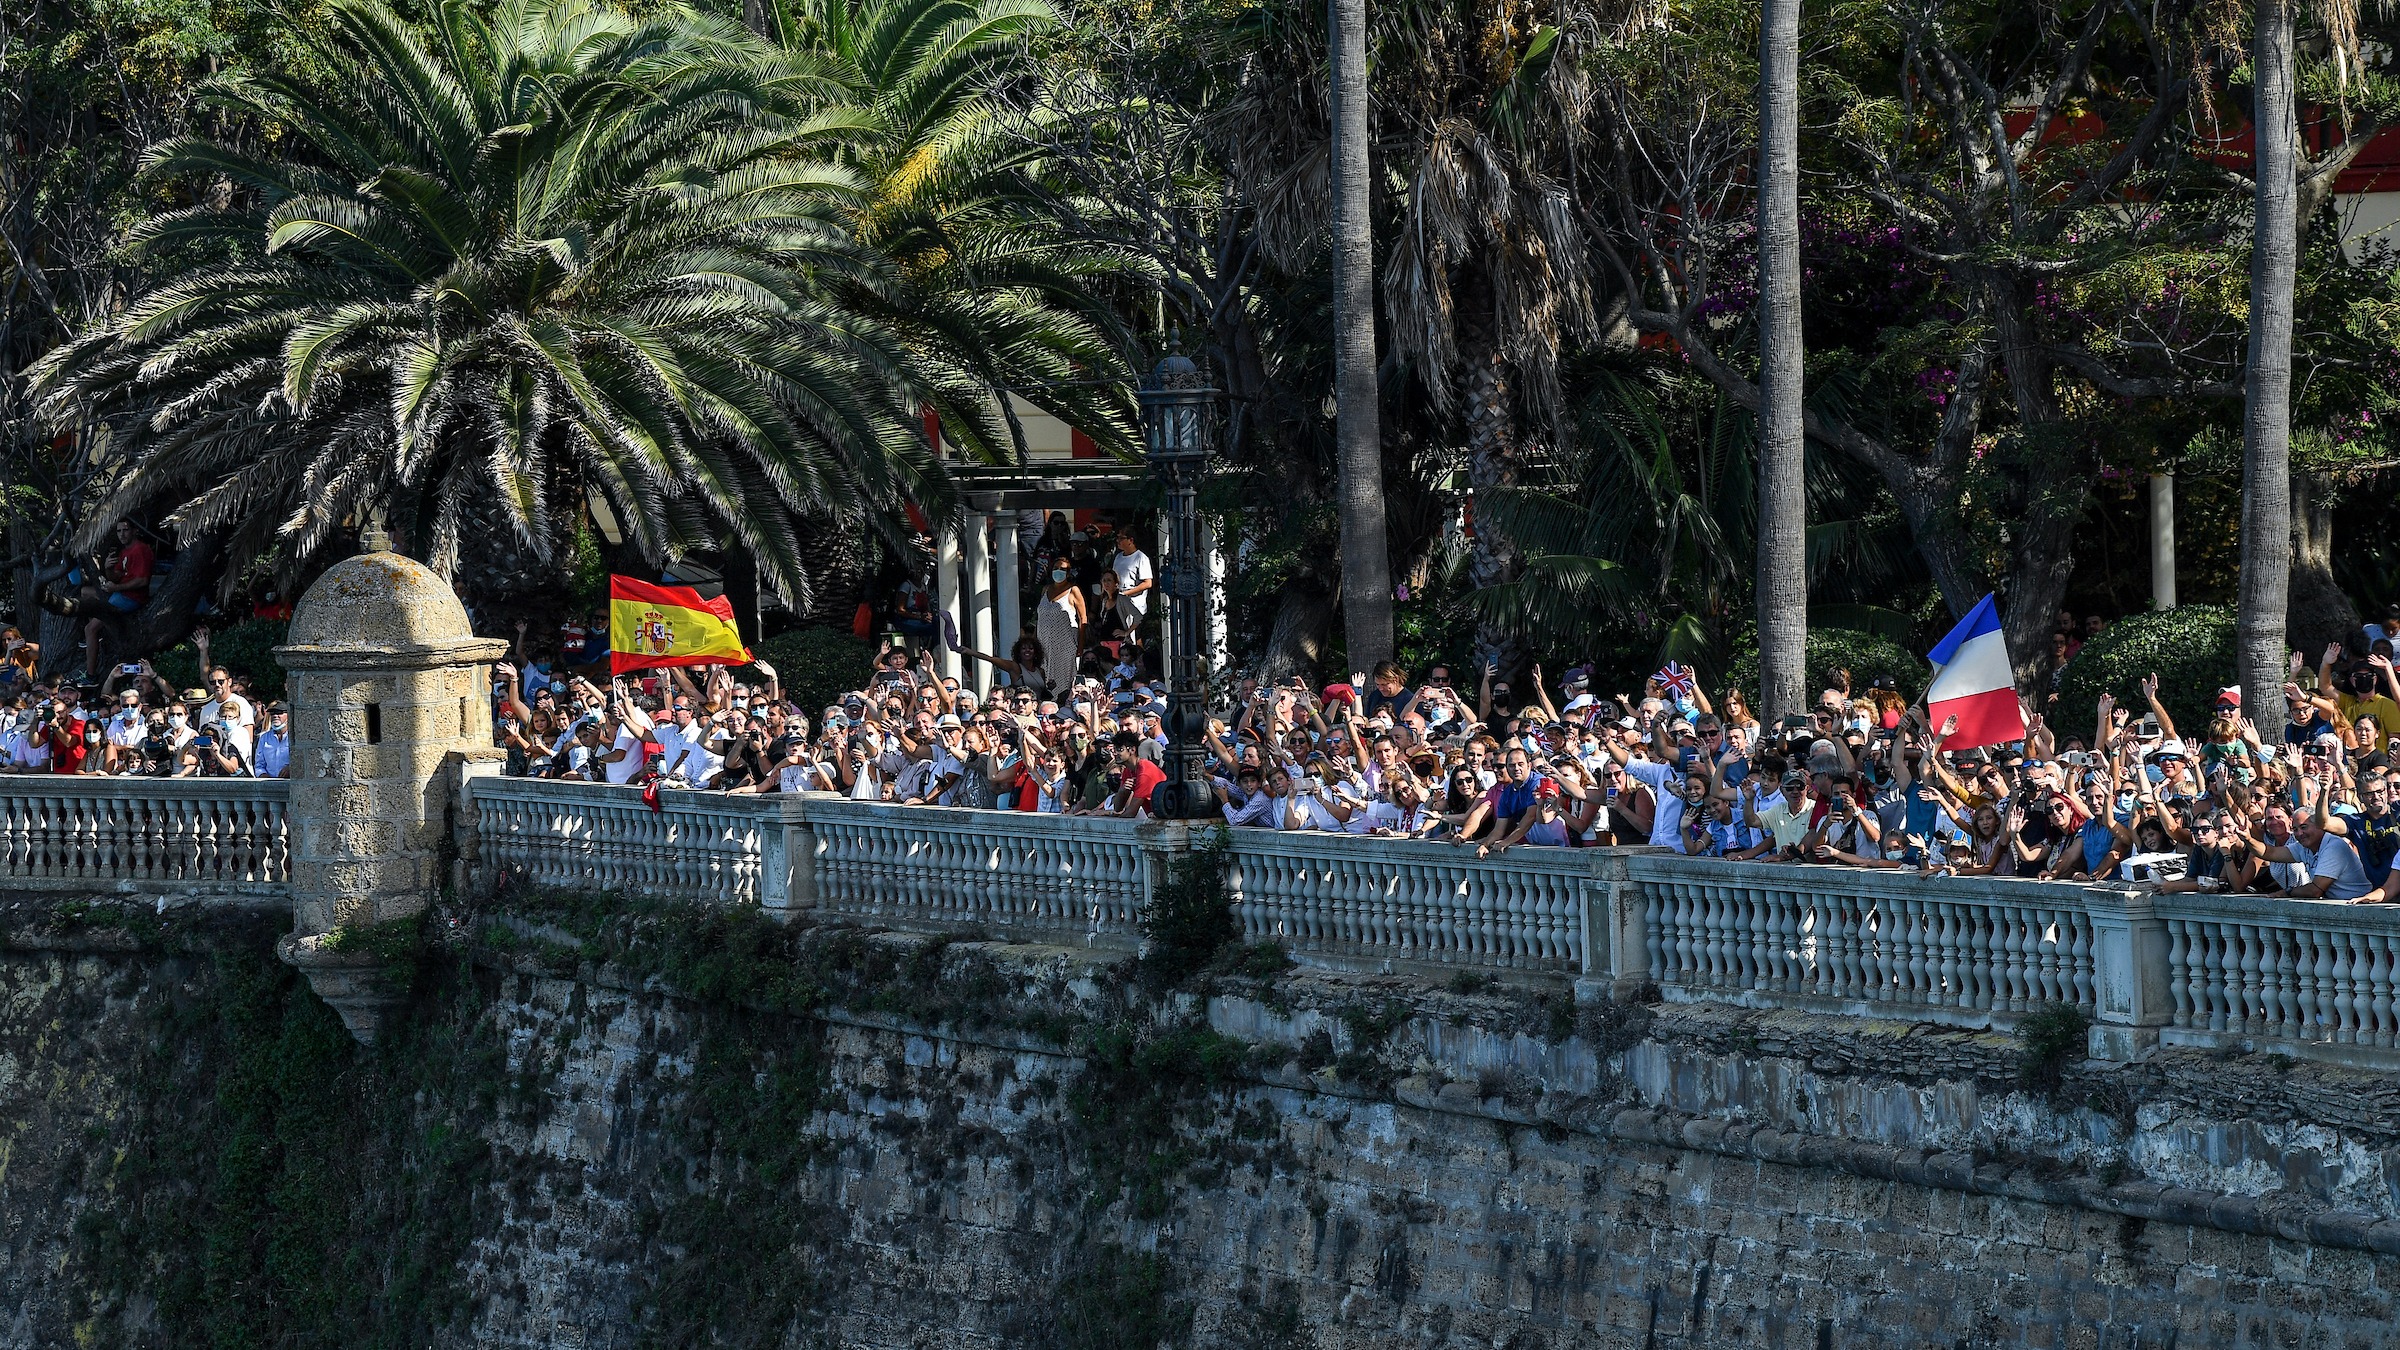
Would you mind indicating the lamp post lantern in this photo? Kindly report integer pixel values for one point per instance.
(1179, 429)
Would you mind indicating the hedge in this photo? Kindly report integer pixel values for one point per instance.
(1866, 655)
(2191, 649)
(245, 648)
(817, 665)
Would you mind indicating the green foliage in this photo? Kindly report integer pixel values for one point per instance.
(696, 284)
(2050, 1038)
(1865, 655)
(395, 944)
(273, 1184)
(818, 665)
(1140, 1085)
(1111, 1298)
(587, 572)
(2191, 649)
(1190, 917)
(245, 648)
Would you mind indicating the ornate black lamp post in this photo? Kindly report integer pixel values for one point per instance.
(1179, 426)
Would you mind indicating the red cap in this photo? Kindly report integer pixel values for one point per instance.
(1340, 693)
(2230, 694)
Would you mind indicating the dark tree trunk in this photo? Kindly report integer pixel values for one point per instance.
(2319, 611)
(1493, 461)
(2266, 419)
(1782, 483)
(1366, 552)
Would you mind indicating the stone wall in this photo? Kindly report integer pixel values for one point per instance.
(797, 1155)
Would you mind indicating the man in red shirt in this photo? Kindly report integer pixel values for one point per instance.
(1142, 776)
(122, 587)
(69, 743)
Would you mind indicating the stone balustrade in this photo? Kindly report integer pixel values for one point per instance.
(2297, 975)
(1080, 878)
(705, 846)
(2303, 978)
(1388, 902)
(88, 833)
(1956, 949)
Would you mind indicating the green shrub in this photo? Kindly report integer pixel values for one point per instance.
(817, 665)
(1190, 918)
(2050, 1038)
(245, 648)
(2191, 649)
(1865, 655)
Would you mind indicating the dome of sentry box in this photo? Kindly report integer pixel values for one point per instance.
(379, 602)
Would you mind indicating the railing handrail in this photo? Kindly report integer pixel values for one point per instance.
(133, 787)
(1645, 864)
(76, 832)
(2276, 910)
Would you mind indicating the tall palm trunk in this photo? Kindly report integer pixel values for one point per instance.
(1493, 460)
(1782, 488)
(2266, 421)
(1366, 555)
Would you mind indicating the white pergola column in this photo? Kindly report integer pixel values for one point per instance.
(977, 632)
(1212, 624)
(2162, 541)
(946, 598)
(1005, 561)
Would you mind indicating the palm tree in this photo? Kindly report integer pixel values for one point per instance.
(1366, 557)
(1782, 484)
(2267, 395)
(980, 279)
(521, 257)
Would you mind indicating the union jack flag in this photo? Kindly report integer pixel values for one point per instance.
(1678, 681)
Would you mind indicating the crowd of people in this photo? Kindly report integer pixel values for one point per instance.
(131, 721)
(2301, 807)
(2295, 801)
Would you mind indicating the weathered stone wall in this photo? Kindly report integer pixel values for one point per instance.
(1404, 1165)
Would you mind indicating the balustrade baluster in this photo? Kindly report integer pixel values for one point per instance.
(2179, 969)
(2378, 991)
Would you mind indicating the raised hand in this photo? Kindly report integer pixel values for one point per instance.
(1949, 726)
(2150, 688)
(2333, 653)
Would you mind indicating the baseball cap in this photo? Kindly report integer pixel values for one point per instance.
(2170, 749)
(1795, 779)
(1340, 693)
(2231, 695)
(1580, 702)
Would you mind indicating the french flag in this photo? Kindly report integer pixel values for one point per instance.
(1974, 682)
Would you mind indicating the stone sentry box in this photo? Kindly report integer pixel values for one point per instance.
(389, 688)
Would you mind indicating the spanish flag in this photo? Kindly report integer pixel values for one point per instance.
(651, 626)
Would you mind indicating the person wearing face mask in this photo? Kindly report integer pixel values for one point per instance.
(1058, 626)
(2361, 693)
(271, 757)
(126, 732)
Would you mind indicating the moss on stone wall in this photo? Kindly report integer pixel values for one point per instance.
(271, 1183)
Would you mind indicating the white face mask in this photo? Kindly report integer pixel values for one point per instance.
(177, 720)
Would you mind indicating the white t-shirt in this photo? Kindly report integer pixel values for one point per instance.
(698, 762)
(238, 716)
(1131, 568)
(623, 770)
(26, 750)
